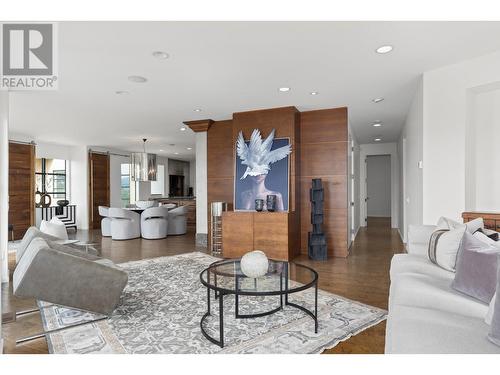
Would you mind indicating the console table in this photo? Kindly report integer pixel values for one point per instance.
(66, 214)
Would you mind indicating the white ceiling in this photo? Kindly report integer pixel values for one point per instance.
(223, 68)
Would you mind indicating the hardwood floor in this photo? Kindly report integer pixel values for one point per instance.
(363, 276)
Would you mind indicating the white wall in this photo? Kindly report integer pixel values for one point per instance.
(192, 175)
(410, 149)
(482, 151)
(378, 185)
(79, 184)
(380, 149)
(446, 110)
(353, 186)
(201, 183)
(4, 195)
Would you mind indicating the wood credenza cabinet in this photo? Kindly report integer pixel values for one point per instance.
(491, 219)
(267, 231)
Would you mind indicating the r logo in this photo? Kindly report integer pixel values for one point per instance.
(27, 49)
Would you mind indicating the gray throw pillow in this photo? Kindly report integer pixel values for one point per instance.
(476, 269)
(494, 335)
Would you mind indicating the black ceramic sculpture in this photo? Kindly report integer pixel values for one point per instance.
(271, 202)
(259, 205)
(317, 249)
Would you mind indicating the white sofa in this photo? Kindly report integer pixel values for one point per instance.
(425, 314)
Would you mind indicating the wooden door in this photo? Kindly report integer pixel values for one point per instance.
(21, 187)
(98, 187)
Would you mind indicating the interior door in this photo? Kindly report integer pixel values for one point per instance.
(98, 187)
(21, 187)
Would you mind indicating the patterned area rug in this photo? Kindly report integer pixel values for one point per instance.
(164, 301)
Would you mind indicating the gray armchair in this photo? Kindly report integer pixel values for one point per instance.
(66, 276)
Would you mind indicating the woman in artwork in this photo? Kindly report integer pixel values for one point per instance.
(257, 156)
(260, 191)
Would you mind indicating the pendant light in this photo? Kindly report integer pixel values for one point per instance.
(143, 165)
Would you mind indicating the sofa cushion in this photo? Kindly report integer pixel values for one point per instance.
(428, 331)
(31, 233)
(410, 263)
(476, 273)
(494, 334)
(433, 292)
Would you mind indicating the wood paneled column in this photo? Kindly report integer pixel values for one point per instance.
(200, 127)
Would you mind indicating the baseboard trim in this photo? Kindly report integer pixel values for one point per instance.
(401, 236)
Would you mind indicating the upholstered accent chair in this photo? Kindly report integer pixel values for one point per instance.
(64, 275)
(177, 220)
(125, 224)
(105, 222)
(31, 233)
(154, 223)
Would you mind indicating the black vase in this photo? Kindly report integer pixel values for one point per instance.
(63, 202)
(259, 205)
(271, 203)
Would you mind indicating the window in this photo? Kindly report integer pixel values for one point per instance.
(158, 186)
(50, 177)
(125, 184)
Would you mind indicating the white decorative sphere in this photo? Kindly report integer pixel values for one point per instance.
(254, 264)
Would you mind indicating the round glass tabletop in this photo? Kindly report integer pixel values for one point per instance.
(281, 278)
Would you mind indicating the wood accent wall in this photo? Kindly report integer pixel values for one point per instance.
(220, 165)
(21, 187)
(319, 142)
(99, 194)
(324, 147)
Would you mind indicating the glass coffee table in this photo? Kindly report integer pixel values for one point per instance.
(225, 277)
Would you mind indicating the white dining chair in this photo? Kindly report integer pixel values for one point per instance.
(125, 224)
(154, 223)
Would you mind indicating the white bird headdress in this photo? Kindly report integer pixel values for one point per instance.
(257, 156)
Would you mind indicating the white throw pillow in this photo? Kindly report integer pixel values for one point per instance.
(491, 309)
(444, 249)
(445, 223)
(484, 238)
(474, 225)
(55, 228)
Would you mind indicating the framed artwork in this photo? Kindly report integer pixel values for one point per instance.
(262, 169)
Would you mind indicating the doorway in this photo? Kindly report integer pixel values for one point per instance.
(378, 189)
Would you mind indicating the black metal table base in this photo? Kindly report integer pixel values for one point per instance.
(220, 296)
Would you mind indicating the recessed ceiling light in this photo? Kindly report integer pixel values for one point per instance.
(176, 153)
(384, 49)
(161, 55)
(189, 148)
(314, 93)
(284, 89)
(161, 150)
(197, 110)
(377, 124)
(377, 139)
(121, 92)
(183, 128)
(137, 79)
(377, 100)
